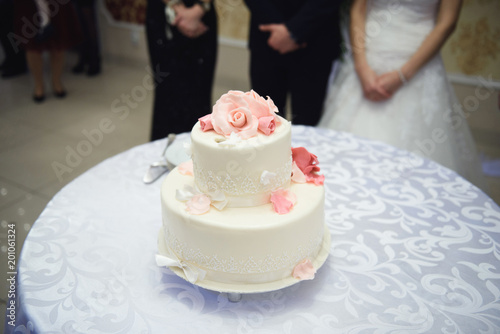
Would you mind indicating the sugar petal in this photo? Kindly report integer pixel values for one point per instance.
(186, 168)
(297, 175)
(304, 270)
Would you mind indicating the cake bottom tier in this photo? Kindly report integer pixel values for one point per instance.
(242, 250)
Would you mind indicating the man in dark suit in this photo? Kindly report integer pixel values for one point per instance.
(293, 44)
(183, 55)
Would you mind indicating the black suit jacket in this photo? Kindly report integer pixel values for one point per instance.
(315, 22)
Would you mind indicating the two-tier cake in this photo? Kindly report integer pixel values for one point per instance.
(246, 213)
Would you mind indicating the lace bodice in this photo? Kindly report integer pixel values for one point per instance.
(395, 29)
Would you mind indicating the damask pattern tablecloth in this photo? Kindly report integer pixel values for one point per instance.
(415, 249)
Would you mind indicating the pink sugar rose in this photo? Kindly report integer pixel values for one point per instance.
(283, 201)
(206, 122)
(304, 270)
(308, 164)
(198, 204)
(267, 125)
(232, 114)
(241, 113)
(260, 107)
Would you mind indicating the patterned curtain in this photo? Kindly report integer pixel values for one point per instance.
(127, 11)
(474, 47)
(233, 15)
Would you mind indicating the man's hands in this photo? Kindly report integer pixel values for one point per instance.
(280, 38)
(188, 19)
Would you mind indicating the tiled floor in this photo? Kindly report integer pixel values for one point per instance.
(34, 138)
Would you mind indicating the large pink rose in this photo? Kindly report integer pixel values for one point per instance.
(241, 112)
(260, 107)
(231, 113)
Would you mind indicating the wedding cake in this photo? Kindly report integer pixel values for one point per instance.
(246, 214)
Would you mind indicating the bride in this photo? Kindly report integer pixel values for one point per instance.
(392, 84)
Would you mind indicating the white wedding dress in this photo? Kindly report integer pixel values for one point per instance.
(423, 116)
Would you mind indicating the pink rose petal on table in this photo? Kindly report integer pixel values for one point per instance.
(304, 270)
(186, 168)
(206, 122)
(283, 200)
(198, 204)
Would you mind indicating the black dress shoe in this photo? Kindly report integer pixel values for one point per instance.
(60, 95)
(39, 98)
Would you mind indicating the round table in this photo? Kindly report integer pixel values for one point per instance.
(415, 248)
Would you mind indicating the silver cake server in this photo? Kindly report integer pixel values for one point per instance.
(160, 167)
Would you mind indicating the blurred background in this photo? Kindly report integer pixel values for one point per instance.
(35, 137)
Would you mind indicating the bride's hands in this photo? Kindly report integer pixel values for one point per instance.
(379, 87)
(390, 82)
(372, 88)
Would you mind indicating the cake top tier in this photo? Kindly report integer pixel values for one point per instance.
(242, 149)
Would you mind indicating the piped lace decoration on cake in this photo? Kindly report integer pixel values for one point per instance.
(241, 185)
(267, 178)
(250, 265)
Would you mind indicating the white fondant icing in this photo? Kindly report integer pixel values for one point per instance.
(236, 169)
(253, 244)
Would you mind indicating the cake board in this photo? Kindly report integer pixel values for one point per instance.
(235, 291)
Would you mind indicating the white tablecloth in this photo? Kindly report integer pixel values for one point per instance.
(415, 248)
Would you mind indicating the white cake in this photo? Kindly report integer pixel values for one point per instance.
(220, 228)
